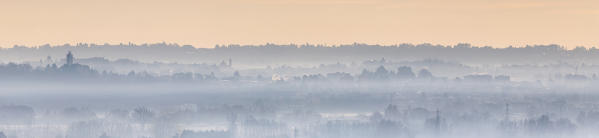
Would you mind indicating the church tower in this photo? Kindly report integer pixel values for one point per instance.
(69, 58)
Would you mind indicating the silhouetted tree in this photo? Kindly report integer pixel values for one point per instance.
(405, 72)
(425, 74)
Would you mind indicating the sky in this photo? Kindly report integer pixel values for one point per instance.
(204, 23)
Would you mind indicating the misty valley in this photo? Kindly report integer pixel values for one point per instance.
(298, 91)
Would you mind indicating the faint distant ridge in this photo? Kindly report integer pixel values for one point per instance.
(309, 53)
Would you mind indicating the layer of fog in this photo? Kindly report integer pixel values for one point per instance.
(365, 96)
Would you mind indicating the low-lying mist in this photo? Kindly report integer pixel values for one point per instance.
(355, 97)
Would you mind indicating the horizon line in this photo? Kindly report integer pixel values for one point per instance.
(292, 44)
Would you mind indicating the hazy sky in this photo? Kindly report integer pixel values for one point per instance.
(206, 23)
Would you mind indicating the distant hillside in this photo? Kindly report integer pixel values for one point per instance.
(307, 54)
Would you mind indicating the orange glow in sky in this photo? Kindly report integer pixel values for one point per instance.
(204, 23)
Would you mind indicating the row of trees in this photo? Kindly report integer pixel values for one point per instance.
(271, 53)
